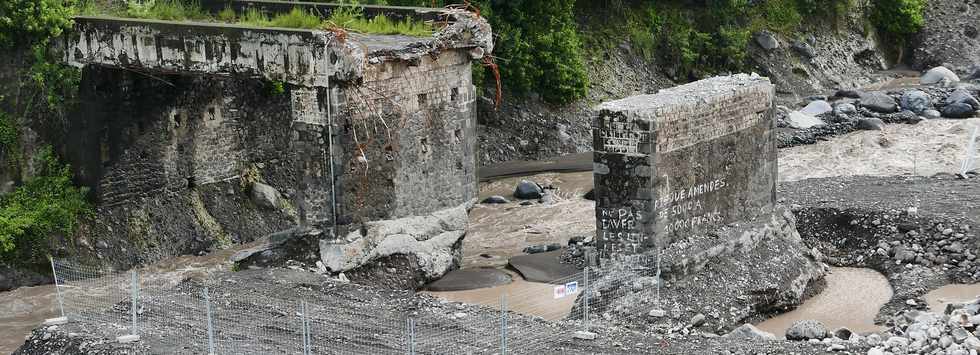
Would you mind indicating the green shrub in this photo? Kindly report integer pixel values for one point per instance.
(227, 15)
(540, 49)
(28, 21)
(45, 205)
(297, 18)
(777, 15)
(641, 30)
(56, 82)
(9, 142)
(898, 18)
(254, 17)
(170, 10)
(352, 18)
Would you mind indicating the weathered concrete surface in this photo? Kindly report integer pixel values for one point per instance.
(683, 162)
(300, 57)
(310, 58)
(470, 279)
(433, 239)
(544, 267)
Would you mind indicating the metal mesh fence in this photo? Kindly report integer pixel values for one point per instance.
(970, 158)
(211, 318)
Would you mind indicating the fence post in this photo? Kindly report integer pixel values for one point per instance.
(410, 331)
(659, 257)
(503, 324)
(61, 305)
(207, 307)
(134, 290)
(585, 300)
(971, 153)
(306, 329)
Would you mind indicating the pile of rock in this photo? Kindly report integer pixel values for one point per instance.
(848, 110)
(938, 245)
(840, 339)
(955, 332)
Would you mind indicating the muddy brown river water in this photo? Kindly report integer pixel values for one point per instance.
(496, 233)
(852, 299)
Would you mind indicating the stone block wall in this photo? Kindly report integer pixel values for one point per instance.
(683, 162)
(414, 125)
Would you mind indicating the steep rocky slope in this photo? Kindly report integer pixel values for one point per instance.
(822, 57)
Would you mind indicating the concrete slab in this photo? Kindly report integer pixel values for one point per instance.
(543, 267)
(470, 279)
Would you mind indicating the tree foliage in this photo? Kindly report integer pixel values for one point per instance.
(27, 21)
(45, 205)
(898, 18)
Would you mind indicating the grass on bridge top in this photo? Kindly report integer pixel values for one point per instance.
(350, 18)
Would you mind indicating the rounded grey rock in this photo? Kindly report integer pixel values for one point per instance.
(879, 102)
(915, 101)
(937, 74)
(496, 199)
(766, 40)
(806, 330)
(870, 124)
(528, 190)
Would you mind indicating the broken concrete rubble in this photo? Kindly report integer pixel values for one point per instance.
(433, 239)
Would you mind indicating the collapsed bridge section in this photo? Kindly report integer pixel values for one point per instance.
(198, 134)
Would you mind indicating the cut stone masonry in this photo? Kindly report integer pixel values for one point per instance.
(681, 163)
(376, 127)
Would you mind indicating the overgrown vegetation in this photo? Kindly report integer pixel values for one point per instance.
(349, 17)
(46, 205)
(47, 202)
(25, 21)
(170, 10)
(9, 141)
(898, 19)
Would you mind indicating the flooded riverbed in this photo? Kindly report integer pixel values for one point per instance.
(523, 297)
(21, 310)
(851, 299)
(939, 298)
(25, 308)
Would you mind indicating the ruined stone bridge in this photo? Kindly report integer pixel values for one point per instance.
(231, 132)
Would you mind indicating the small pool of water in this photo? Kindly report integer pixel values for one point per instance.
(938, 298)
(525, 297)
(852, 299)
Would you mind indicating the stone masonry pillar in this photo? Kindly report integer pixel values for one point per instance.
(684, 162)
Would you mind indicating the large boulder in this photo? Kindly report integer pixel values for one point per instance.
(960, 104)
(766, 40)
(800, 120)
(879, 102)
(939, 74)
(265, 196)
(750, 332)
(963, 96)
(845, 109)
(915, 101)
(528, 190)
(806, 330)
(870, 124)
(958, 110)
(816, 108)
(433, 243)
